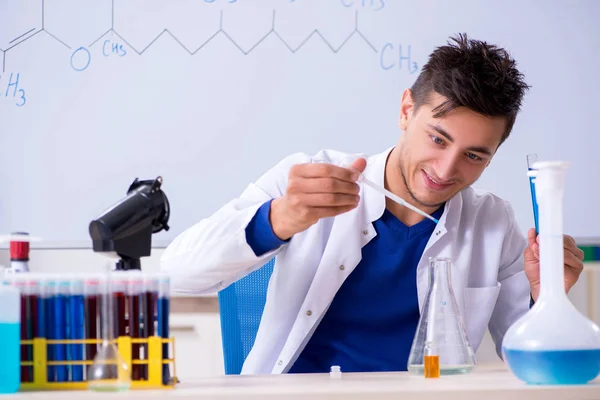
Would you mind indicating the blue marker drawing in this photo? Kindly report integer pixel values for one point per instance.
(387, 58)
(86, 59)
(113, 48)
(11, 83)
(375, 4)
(22, 98)
(16, 92)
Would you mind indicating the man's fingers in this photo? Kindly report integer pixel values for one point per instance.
(531, 236)
(572, 261)
(535, 249)
(359, 164)
(327, 199)
(327, 185)
(324, 212)
(325, 171)
(569, 241)
(569, 244)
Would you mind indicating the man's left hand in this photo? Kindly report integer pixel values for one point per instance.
(573, 262)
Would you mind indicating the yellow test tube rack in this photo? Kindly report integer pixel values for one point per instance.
(154, 361)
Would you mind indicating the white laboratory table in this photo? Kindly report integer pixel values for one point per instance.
(483, 383)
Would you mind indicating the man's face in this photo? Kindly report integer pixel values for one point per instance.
(441, 156)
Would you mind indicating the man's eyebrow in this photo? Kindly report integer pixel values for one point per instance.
(442, 132)
(477, 149)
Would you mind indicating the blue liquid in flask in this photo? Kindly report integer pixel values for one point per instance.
(554, 367)
(10, 369)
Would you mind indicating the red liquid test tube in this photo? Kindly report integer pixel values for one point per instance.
(92, 301)
(31, 302)
(118, 286)
(150, 313)
(133, 298)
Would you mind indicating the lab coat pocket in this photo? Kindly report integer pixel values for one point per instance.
(479, 305)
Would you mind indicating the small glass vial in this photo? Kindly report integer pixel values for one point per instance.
(431, 361)
(335, 372)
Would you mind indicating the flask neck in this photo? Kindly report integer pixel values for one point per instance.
(550, 186)
(440, 276)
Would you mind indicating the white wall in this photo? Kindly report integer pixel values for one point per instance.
(83, 136)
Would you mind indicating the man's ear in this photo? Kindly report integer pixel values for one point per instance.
(406, 109)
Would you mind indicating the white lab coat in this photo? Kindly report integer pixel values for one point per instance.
(477, 231)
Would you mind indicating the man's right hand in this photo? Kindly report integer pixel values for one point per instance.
(315, 191)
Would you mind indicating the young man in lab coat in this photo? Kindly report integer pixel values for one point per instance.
(350, 273)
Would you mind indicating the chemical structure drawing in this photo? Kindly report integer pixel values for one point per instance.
(114, 43)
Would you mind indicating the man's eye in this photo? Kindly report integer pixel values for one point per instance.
(473, 157)
(437, 140)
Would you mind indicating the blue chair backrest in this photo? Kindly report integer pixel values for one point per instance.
(241, 306)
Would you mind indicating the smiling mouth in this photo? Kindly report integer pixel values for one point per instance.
(436, 184)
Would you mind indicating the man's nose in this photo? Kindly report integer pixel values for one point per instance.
(447, 166)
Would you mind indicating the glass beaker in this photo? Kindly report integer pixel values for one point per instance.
(441, 323)
(108, 372)
(553, 343)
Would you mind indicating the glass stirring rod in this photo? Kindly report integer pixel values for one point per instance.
(393, 197)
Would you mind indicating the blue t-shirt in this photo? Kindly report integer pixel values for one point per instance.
(372, 319)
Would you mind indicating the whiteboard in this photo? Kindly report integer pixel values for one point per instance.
(209, 94)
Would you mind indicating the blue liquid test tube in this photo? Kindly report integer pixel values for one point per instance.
(164, 296)
(75, 324)
(531, 160)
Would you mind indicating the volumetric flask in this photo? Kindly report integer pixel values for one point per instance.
(442, 324)
(553, 343)
(109, 372)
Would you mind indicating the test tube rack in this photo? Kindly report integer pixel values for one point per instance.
(124, 344)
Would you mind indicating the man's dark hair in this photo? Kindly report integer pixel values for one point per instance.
(473, 74)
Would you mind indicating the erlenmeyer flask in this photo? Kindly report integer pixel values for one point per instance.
(441, 325)
(109, 372)
(553, 343)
